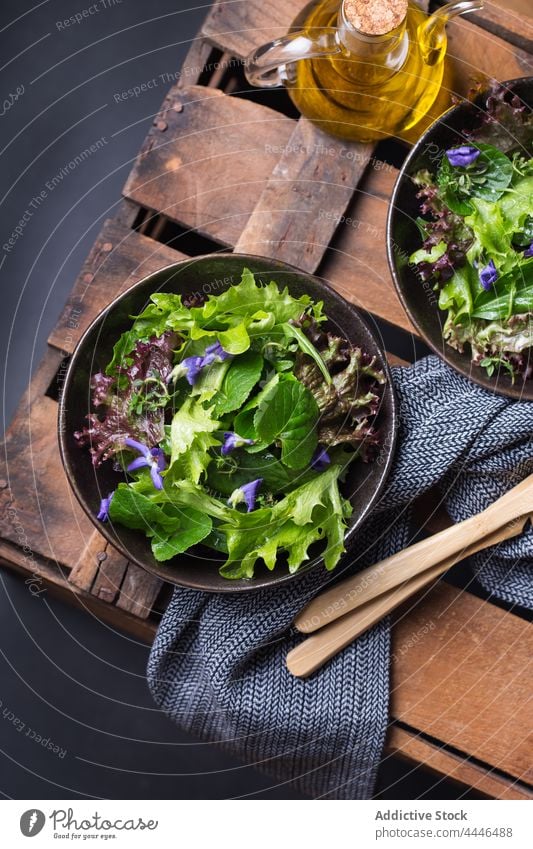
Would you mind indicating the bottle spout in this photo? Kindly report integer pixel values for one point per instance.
(432, 33)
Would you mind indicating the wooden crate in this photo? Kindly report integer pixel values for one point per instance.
(225, 167)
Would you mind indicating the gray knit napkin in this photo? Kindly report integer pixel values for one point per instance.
(217, 666)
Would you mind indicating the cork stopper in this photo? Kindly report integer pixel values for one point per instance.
(375, 17)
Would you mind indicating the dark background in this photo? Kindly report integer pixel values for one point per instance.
(64, 675)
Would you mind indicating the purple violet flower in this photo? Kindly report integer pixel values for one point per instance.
(105, 503)
(191, 367)
(320, 460)
(152, 458)
(528, 253)
(488, 275)
(215, 352)
(462, 156)
(247, 494)
(233, 440)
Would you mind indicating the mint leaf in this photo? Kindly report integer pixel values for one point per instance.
(194, 527)
(289, 414)
(239, 380)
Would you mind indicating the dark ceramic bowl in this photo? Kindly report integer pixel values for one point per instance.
(198, 568)
(403, 238)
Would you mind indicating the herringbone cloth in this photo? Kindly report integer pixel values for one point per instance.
(217, 666)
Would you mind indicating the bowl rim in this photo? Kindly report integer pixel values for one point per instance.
(511, 391)
(103, 528)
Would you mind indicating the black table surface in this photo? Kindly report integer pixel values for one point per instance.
(77, 720)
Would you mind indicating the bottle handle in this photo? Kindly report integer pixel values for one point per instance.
(266, 67)
(432, 32)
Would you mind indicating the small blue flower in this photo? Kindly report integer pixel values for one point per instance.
(528, 253)
(152, 458)
(320, 460)
(191, 367)
(215, 352)
(247, 494)
(233, 440)
(488, 275)
(462, 156)
(105, 503)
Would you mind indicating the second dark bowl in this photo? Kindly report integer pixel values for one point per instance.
(212, 274)
(403, 238)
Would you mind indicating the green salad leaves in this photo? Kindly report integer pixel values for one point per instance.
(478, 241)
(234, 418)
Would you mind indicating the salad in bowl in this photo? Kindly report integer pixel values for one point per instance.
(468, 247)
(228, 425)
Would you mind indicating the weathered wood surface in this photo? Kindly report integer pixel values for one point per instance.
(475, 53)
(356, 261)
(207, 159)
(308, 191)
(119, 258)
(511, 20)
(461, 673)
(245, 175)
(417, 750)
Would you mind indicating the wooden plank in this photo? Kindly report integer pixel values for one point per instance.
(461, 673)
(314, 172)
(196, 62)
(475, 53)
(206, 160)
(356, 262)
(139, 592)
(44, 577)
(93, 554)
(442, 762)
(39, 510)
(110, 575)
(239, 26)
(119, 258)
(509, 19)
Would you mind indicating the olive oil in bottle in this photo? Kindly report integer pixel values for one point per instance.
(363, 69)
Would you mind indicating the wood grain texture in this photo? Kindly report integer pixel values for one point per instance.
(139, 591)
(356, 261)
(503, 519)
(110, 575)
(37, 507)
(510, 20)
(92, 555)
(412, 747)
(207, 159)
(475, 53)
(308, 191)
(239, 26)
(118, 259)
(44, 576)
(461, 673)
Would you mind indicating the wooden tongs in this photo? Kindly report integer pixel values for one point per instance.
(349, 608)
